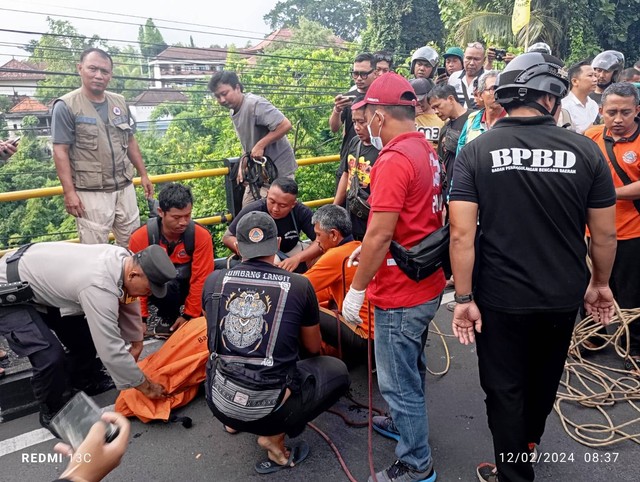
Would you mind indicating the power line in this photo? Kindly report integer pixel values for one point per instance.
(239, 52)
(190, 30)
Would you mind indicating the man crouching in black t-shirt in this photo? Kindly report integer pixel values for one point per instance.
(292, 218)
(255, 380)
(535, 186)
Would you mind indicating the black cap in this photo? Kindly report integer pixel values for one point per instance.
(257, 235)
(158, 269)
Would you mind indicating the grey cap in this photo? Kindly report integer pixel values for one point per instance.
(257, 235)
(421, 87)
(158, 269)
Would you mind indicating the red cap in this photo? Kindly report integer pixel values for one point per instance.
(388, 90)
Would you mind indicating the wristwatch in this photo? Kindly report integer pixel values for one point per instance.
(463, 298)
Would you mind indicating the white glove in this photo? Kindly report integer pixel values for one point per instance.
(354, 257)
(351, 306)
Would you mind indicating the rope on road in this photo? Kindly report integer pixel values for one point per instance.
(600, 387)
(436, 331)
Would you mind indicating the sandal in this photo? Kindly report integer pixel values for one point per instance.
(297, 454)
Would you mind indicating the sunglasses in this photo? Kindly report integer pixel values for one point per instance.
(475, 45)
(355, 74)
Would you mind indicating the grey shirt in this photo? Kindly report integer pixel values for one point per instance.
(83, 278)
(63, 123)
(254, 120)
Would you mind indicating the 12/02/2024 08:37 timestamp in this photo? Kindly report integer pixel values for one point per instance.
(560, 457)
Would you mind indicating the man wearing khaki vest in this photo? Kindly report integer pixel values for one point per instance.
(95, 152)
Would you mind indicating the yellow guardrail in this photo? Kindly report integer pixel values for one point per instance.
(160, 178)
(156, 179)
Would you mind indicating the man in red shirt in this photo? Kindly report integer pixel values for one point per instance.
(190, 249)
(620, 136)
(406, 206)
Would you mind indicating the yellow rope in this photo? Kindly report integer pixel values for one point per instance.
(436, 330)
(599, 387)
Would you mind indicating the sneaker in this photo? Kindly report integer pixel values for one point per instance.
(161, 329)
(487, 472)
(400, 472)
(451, 306)
(385, 427)
(533, 451)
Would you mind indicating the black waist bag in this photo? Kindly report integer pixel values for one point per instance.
(426, 257)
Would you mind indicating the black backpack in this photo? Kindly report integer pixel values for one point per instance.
(189, 240)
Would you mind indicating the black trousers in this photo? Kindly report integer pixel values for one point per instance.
(169, 306)
(323, 380)
(29, 333)
(521, 359)
(354, 347)
(625, 284)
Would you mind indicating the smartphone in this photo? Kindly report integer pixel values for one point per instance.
(15, 141)
(348, 96)
(76, 418)
(440, 71)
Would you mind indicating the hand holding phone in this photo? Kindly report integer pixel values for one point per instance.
(74, 421)
(94, 458)
(440, 71)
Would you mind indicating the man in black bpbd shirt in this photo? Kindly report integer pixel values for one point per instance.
(535, 186)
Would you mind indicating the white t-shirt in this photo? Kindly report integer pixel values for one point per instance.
(456, 79)
(582, 115)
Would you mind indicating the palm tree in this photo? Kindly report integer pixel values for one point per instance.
(496, 27)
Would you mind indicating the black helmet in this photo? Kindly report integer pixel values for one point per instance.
(427, 54)
(609, 60)
(531, 72)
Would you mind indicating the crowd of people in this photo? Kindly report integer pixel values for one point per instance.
(516, 162)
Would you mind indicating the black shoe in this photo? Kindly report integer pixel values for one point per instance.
(98, 382)
(162, 329)
(45, 419)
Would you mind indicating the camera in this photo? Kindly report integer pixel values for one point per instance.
(500, 54)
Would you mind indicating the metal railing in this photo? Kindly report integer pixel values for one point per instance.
(161, 178)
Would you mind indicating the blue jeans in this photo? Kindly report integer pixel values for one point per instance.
(400, 337)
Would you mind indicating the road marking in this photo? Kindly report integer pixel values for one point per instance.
(30, 439)
(447, 298)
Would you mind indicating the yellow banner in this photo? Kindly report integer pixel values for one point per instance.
(521, 15)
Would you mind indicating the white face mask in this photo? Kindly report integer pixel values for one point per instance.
(376, 141)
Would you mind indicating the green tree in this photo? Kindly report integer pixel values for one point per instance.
(401, 26)
(346, 18)
(58, 52)
(150, 40)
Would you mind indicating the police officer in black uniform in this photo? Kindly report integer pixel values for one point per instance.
(535, 186)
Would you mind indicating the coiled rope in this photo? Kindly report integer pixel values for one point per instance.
(605, 389)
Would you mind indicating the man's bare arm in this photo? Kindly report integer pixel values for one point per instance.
(374, 247)
(135, 156)
(72, 202)
(278, 133)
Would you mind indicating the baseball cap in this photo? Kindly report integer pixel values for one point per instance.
(387, 90)
(257, 235)
(158, 269)
(454, 52)
(421, 87)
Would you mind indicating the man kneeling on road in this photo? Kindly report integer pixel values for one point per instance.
(257, 317)
(291, 218)
(331, 279)
(87, 295)
(189, 247)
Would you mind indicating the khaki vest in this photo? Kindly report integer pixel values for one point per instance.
(99, 160)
